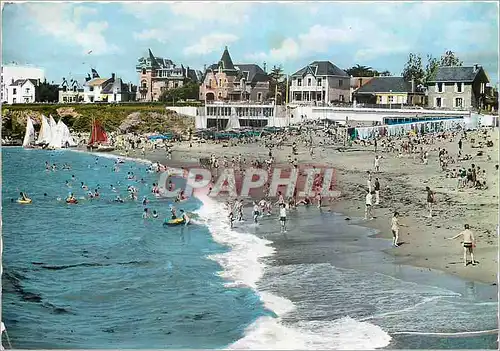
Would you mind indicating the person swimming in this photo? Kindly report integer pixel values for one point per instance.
(172, 212)
(84, 187)
(155, 214)
(96, 193)
(145, 214)
(144, 201)
(24, 196)
(185, 217)
(118, 199)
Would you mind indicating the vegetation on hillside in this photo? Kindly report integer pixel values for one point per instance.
(153, 117)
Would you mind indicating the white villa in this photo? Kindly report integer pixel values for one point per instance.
(22, 91)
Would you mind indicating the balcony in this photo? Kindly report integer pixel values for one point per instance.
(307, 88)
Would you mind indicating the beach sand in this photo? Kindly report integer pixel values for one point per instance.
(403, 181)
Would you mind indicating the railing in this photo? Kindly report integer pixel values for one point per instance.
(241, 102)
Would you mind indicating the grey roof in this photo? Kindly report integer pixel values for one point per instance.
(385, 85)
(456, 74)
(111, 84)
(321, 68)
(225, 60)
(20, 82)
(252, 72)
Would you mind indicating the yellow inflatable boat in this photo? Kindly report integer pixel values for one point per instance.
(173, 222)
(21, 201)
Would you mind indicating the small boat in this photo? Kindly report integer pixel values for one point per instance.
(24, 202)
(99, 139)
(71, 201)
(29, 136)
(174, 222)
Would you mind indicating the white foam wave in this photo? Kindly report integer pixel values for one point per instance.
(114, 156)
(243, 266)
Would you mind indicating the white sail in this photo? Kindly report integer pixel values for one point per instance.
(45, 133)
(57, 135)
(67, 139)
(29, 136)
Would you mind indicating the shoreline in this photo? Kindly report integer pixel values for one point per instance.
(423, 241)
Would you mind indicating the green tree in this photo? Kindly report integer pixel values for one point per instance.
(277, 79)
(360, 71)
(413, 69)
(47, 92)
(190, 90)
(449, 59)
(385, 74)
(430, 69)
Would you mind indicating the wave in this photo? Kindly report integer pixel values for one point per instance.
(455, 334)
(243, 266)
(114, 156)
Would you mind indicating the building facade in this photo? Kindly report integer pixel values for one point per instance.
(460, 88)
(22, 91)
(97, 89)
(12, 73)
(71, 91)
(389, 91)
(226, 81)
(320, 83)
(157, 75)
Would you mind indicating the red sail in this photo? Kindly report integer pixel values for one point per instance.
(98, 134)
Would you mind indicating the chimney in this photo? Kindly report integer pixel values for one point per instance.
(476, 67)
(113, 76)
(413, 85)
(265, 67)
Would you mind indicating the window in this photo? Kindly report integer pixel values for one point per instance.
(458, 102)
(259, 96)
(438, 102)
(341, 97)
(176, 84)
(440, 87)
(319, 82)
(460, 87)
(309, 81)
(143, 71)
(27, 90)
(14, 91)
(299, 82)
(64, 88)
(341, 83)
(14, 100)
(91, 89)
(390, 98)
(65, 99)
(26, 100)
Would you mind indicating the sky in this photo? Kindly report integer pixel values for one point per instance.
(67, 39)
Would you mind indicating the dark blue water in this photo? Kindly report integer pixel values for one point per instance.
(96, 275)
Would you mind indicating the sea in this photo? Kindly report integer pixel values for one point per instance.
(96, 275)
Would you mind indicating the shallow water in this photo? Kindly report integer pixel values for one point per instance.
(96, 275)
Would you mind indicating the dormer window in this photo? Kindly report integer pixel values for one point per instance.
(74, 89)
(64, 88)
(299, 82)
(309, 82)
(460, 87)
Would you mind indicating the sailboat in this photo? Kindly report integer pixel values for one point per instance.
(61, 137)
(45, 133)
(29, 136)
(98, 138)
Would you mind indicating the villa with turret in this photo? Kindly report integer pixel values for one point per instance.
(157, 75)
(226, 81)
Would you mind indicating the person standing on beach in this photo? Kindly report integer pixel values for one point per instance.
(256, 212)
(283, 218)
(377, 192)
(460, 147)
(377, 163)
(395, 228)
(469, 243)
(430, 200)
(369, 182)
(368, 205)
